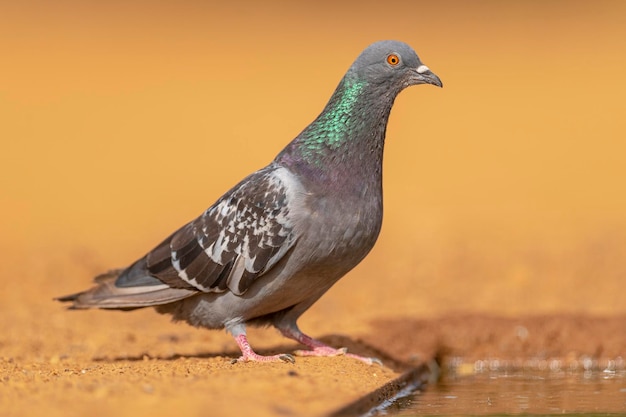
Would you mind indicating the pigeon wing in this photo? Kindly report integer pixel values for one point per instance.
(242, 236)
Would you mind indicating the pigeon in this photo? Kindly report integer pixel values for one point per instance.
(273, 244)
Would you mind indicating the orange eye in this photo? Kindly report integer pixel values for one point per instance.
(393, 59)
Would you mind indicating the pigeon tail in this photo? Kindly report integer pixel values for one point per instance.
(107, 295)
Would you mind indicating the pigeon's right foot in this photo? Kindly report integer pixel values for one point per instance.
(320, 349)
(249, 355)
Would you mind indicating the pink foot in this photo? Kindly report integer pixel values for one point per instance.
(329, 351)
(249, 355)
(320, 349)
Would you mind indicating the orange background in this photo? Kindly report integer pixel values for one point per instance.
(504, 192)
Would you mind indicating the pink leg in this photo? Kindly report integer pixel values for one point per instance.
(320, 349)
(249, 355)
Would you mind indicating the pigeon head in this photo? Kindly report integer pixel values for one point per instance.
(391, 64)
(349, 135)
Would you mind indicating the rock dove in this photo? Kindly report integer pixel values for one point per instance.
(278, 240)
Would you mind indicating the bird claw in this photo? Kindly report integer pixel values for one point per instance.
(372, 361)
(287, 358)
(368, 361)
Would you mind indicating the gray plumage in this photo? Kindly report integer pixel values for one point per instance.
(278, 240)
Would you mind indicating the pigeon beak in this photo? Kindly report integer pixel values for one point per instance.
(423, 75)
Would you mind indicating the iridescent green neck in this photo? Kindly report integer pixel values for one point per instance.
(331, 130)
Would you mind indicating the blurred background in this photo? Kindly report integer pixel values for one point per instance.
(505, 192)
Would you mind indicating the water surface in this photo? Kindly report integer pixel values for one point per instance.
(520, 392)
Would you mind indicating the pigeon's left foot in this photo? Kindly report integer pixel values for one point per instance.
(249, 355)
(318, 348)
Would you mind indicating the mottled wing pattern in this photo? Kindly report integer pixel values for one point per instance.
(233, 242)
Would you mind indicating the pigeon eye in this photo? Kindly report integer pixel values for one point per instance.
(393, 59)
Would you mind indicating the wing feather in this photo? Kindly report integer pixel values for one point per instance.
(242, 236)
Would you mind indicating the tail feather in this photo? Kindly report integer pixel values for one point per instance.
(109, 296)
(111, 274)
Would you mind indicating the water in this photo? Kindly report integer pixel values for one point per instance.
(519, 392)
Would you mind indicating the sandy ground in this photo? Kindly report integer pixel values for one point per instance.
(145, 366)
(138, 363)
(504, 235)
